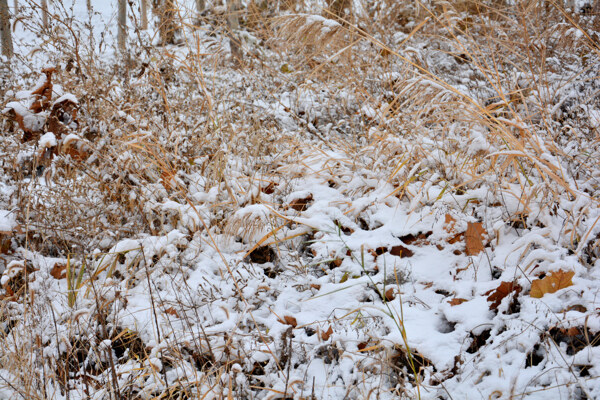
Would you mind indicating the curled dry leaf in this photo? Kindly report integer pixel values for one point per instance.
(171, 311)
(43, 93)
(59, 271)
(289, 320)
(505, 289)
(327, 334)
(551, 283)
(390, 294)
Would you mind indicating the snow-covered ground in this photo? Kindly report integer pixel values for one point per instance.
(407, 222)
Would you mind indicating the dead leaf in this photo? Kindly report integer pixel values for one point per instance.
(474, 238)
(63, 118)
(301, 204)
(43, 93)
(401, 252)
(5, 238)
(449, 223)
(326, 335)
(456, 301)
(345, 277)
(269, 189)
(167, 179)
(505, 289)
(416, 240)
(75, 148)
(289, 320)
(551, 283)
(315, 286)
(171, 311)
(390, 294)
(576, 307)
(59, 271)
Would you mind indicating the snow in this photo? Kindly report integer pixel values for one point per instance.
(172, 265)
(7, 221)
(47, 140)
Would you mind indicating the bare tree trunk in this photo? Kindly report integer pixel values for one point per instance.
(166, 15)
(44, 5)
(122, 34)
(5, 32)
(233, 18)
(144, 12)
(233, 23)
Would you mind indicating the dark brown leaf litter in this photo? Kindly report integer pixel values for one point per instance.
(301, 204)
(262, 255)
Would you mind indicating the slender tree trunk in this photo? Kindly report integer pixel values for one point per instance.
(122, 34)
(144, 14)
(233, 18)
(233, 23)
(5, 32)
(166, 15)
(44, 5)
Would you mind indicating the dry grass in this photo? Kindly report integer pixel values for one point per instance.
(478, 108)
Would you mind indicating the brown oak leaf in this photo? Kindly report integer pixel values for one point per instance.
(555, 281)
(505, 289)
(474, 238)
(289, 320)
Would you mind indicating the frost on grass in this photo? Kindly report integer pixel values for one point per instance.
(415, 220)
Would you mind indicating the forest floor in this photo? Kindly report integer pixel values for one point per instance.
(398, 202)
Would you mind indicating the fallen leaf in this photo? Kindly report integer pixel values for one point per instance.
(171, 311)
(576, 307)
(326, 335)
(4, 242)
(474, 238)
(456, 301)
(401, 252)
(63, 118)
(418, 239)
(269, 189)
(315, 286)
(289, 320)
(551, 283)
(505, 289)
(43, 93)
(390, 294)
(59, 271)
(301, 204)
(449, 223)
(344, 277)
